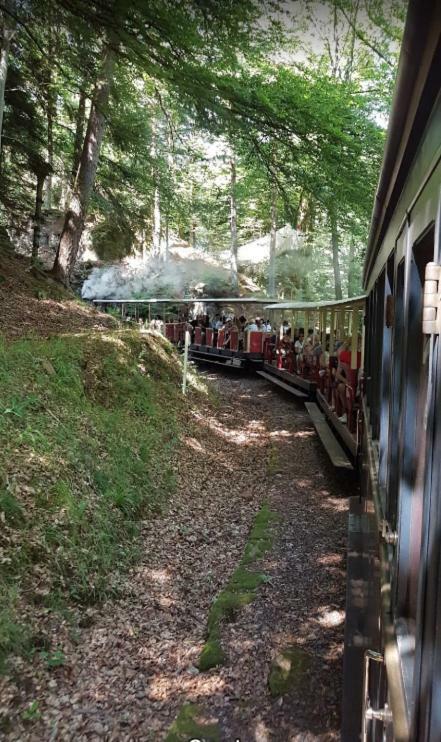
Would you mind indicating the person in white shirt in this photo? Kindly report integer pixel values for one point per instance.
(251, 327)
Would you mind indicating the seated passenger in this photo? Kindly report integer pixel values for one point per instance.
(251, 326)
(342, 377)
(229, 326)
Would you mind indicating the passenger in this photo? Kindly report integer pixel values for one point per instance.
(342, 377)
(285, 326)
(229, 326)
(268, 327)
(252, 326)
(298, 349)
(217, 323)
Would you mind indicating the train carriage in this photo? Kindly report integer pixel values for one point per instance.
(392, 679)
(330, 324)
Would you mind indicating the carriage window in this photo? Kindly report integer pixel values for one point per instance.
(386, 373)
(375, 356)
(413, 449)
(395, 398)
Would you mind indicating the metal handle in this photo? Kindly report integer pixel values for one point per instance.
(368, 713)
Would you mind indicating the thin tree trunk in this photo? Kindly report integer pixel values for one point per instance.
(156, 233)
(50, 115)
(273, 244)
(233, 225)
(8, 35)
(79, 202)
(335, 255)
(351, 269)
(38, 217)
(167, 239)
(80, 122)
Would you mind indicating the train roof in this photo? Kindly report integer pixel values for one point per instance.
(204, 299)
(352, 303)
(416, 90)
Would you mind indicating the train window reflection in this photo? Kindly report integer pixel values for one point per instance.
(413, 450)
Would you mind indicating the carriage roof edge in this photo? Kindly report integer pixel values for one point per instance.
(352, 303)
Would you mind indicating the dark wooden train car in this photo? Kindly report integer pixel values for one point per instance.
(392, 678)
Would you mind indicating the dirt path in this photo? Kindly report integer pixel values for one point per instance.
(133, 665)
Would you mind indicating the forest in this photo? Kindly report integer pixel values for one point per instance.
(127, 126)
(173, 539)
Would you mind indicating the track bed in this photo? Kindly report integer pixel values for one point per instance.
(134, 666)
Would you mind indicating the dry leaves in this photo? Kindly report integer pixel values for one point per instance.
(133, 663)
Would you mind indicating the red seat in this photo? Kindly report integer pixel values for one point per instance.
(255, 341)
(234, 340)
(197, 335)
(170, 331)
(220, 338)
(209, 337)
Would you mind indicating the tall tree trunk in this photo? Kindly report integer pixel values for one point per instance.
(167, 239)
(50, 114)
(273, 244)
(79, 202)
(80, 122)
(193, 226)
(156, 232)
(8, 34)
(233, 225)
(335, 255)
(351, 269)
(38, 216)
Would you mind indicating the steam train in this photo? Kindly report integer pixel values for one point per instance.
(392, 436)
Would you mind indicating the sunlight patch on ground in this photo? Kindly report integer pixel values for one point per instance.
(304, 434)
(338, 504)
(261, 732)
(330, 559)
(195, 445)
(277, 434)
(330, 618)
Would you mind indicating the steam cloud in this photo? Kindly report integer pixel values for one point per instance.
(135, 278)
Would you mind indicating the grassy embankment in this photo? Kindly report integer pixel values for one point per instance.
(88, 429)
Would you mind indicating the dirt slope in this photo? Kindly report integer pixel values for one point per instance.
(33, 304)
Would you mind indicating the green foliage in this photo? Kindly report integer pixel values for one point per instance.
(289, 671)
(88, 429)
(53, 659)
(32, 713)
(190, 725)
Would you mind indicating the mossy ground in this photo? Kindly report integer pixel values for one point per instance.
(240, 589)
(189, 725)
(288, 671)
(88, 426)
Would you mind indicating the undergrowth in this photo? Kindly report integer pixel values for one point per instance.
(88, 427)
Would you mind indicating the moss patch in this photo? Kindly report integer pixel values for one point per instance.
(190, 725)
(288, 671)
(240, 589)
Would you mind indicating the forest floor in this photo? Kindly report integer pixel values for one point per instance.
(31, 304)
(250, 553)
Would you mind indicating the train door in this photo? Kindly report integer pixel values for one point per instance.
(410, 483)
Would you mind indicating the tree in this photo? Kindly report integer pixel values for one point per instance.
(79, 202)
(233, 224)
(8, 31)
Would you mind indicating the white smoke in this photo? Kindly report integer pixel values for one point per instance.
(136, 278)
